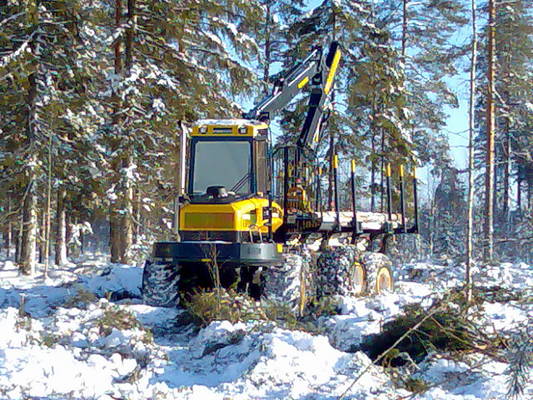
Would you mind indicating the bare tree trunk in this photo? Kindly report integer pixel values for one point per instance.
(18, 239)
(29, 212)
(8, 238)
(48, 209)
(114, 239)
(506, 175)
(61, 228)
(28, 242)
(489, 174)
(266, 66)
(471, 123)
(126, 222)
(382, 173)
(529, 192)
(373, 172)
(69, 220)
(404, 29)
(136, 215)
(115, 213)
(127, 184)
(519, 193)
(41, 234)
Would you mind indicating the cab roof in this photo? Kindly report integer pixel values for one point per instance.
(230, 127)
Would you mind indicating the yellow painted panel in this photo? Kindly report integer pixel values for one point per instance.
(237, 216)
(209, 220)
(332, 71)
(303, 82)
(388, 170)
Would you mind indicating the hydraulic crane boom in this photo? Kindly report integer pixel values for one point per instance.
(285, 88)
(316, 70)
(321, 86)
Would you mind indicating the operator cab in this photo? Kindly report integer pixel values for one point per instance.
(229, 160)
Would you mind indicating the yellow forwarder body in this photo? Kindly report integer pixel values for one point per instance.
(243, 216)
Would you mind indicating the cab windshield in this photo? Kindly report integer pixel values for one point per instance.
(222, 163)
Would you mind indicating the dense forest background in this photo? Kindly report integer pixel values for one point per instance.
(95, 94)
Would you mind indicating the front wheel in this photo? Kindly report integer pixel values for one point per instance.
(289, 284)
(160, 284)
(339, 272)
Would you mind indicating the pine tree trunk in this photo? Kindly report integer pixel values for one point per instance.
(29, 211)
(529, 191)
(41, 234)
(373, 172)
(8, 238)
(18, 239)
(28, 242)
(126, 223)
(127, 184)
(48, 211)
(115, 220)
(114, 238)
(69, 230)
(471, 125)
(266, 66)
(136, 215)
(506, 176)
(382, 173)
(404, 30)
(519, 193)
(61, 228)
(489, 174)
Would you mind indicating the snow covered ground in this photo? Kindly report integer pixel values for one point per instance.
(84, 334)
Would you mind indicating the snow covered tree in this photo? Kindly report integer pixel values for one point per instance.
(37, 78)
(273, 32)
(512, 126)
(164, 64)
(424, 34)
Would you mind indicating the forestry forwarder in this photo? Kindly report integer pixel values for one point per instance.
(246, 203)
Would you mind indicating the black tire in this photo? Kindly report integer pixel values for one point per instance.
(288, 284)
(339, 272)
(379, 277)
(160, 284)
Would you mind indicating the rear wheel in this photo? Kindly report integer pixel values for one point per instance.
(345, 271)
(160, 284)
(378, 273)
